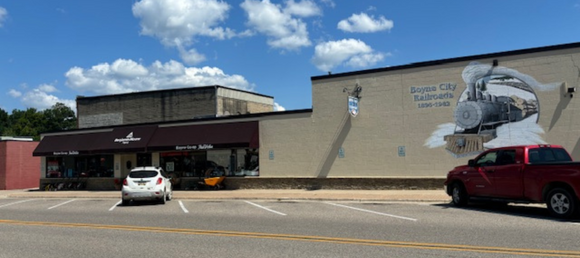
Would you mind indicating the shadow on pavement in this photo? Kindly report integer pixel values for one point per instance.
(528, 211)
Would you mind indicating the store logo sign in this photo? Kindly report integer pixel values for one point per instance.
(194, 147)
(129, 138)
(353, 106)
(63, 153)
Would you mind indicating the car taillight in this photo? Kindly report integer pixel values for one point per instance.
(159, 180)
(125, 182)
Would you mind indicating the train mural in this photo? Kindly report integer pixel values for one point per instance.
(498, 107)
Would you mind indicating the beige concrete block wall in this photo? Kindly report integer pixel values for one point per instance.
(254, 107)
(232, 102)
(390, 118)
(291, 142)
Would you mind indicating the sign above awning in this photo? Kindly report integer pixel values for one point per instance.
(125, 139)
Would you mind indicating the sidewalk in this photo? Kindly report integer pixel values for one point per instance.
(257, 194)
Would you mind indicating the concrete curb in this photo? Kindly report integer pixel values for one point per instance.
(253, 194)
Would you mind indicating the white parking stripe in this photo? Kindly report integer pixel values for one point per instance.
(61, 204)
(15, 203)
(116, 204)
(262, 207)
(374, 212)
(183, 207)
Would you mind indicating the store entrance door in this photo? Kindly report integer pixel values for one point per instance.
(144, 159)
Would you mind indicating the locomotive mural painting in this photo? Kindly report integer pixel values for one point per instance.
(498, 107)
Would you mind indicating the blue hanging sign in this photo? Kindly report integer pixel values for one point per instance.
(353, 106)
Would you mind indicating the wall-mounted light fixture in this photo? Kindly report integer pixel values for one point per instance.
(571, 91)
(355, 92)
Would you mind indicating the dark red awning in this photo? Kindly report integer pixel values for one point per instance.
(67, 145)
(152, 138)
(205, 137)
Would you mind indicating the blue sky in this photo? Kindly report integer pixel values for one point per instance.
(52, 51)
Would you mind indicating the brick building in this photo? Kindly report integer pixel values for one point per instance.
(392, 127)
(169, 105)
(18, 168)
(186, 131)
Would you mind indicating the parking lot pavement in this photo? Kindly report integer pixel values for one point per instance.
(256, 194)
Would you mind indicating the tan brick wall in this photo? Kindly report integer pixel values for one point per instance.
(307, 145)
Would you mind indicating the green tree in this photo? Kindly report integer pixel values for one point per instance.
(26, 123)
(3, 122)
(32, 122)
(58, 118)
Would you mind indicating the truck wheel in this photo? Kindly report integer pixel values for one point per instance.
(561, 203)
(459, 195)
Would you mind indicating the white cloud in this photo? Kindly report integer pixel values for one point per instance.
(105, 79)
(366, 60)
(40, 98)
(3, 15)
(303, 8)
(176, 23)
(351, 52)
(278, 24)
(127, 68)
(364, 23)
(329, 3)
(278, 107)
(190, 57)
(47, 88)
(14, 93)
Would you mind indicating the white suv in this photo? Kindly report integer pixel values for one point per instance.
(147, 183)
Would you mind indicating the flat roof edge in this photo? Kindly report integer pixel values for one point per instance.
(204, 119)
(451, 60)
(169, 90)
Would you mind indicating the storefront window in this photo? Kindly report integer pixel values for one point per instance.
(144, 159)
(251, 162)
(54, 167)
(183, 164)
(233, 162)
(81, 166)
(94, 166)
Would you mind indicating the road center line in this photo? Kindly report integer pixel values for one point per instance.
(374, 212)
(15, 203)
(262, 207)
(60, 204)
(116, 204)
(494, 250)
(183, 207)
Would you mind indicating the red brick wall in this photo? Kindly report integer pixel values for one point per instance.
(22, 170)
(2, 165)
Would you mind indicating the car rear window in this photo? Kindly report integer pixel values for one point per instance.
(142, 174)
(541, 155)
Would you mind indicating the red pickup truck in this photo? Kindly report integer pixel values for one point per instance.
(520, 174)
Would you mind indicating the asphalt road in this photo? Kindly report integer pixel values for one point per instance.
(87, 228)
